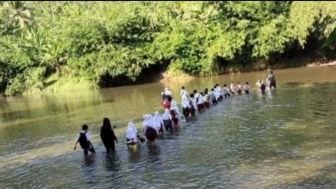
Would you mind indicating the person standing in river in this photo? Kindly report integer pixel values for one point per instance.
(184, 92)
(83, 139)
(107, 135)
(246, 88)
(271, 80)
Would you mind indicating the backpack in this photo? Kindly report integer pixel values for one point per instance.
(84, 143)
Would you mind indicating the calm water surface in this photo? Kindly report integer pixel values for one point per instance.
(285, 139)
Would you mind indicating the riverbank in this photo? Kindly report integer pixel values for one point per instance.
(168, 76)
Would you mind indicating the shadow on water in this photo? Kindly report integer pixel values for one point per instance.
(112, 162)
(153, 152)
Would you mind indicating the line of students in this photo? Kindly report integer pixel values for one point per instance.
(154, 126)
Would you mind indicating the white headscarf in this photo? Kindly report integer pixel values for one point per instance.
(147, 122)
(166, 115)
(167, 92)
(131, 131)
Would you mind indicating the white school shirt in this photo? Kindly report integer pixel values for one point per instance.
(193, 101)
(185, 103)
(184, 92)
(197, 97)
(225, 90)
(246, 88)
(232, 87)
(200, 99)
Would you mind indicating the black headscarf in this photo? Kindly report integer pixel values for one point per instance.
(106, 132)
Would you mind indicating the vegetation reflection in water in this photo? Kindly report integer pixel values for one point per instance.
(280, 140)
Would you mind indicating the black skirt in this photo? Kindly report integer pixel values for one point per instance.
(151, 134)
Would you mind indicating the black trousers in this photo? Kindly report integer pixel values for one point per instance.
(110, 146)
(91, 149)
(186, 112)
(168, 125)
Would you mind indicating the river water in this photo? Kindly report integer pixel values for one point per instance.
(284, 139)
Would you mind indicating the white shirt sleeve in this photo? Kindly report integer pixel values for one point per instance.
(88, 137)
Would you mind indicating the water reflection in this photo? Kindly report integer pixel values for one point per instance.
(153, 152)
(89, 169)
(134, 153)
(112, 162)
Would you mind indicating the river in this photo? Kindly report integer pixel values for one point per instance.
(284, 139)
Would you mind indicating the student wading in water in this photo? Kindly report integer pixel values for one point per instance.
(107, 135)
(83, 139)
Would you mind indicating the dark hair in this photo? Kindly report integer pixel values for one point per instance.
(225, 85)
(106, 123)
(192, 95)
(246, 83)
(182, 87)
(85, 127)
(195, 91)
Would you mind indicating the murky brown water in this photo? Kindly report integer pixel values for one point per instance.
(285, 139)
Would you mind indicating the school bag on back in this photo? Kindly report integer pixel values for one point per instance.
(84, 143)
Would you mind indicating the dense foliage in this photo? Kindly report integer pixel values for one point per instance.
(43, 42)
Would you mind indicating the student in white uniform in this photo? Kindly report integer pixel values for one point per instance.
(185, 106)
(206, 98)
(167, 121)
(246, 88)
(193, 104)
(131, 134)
(232, 89)
(218, 93)
(239, 88)
(200, 102)
(213, 99)
(148, 127)
(183, 92)
(226, 92)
